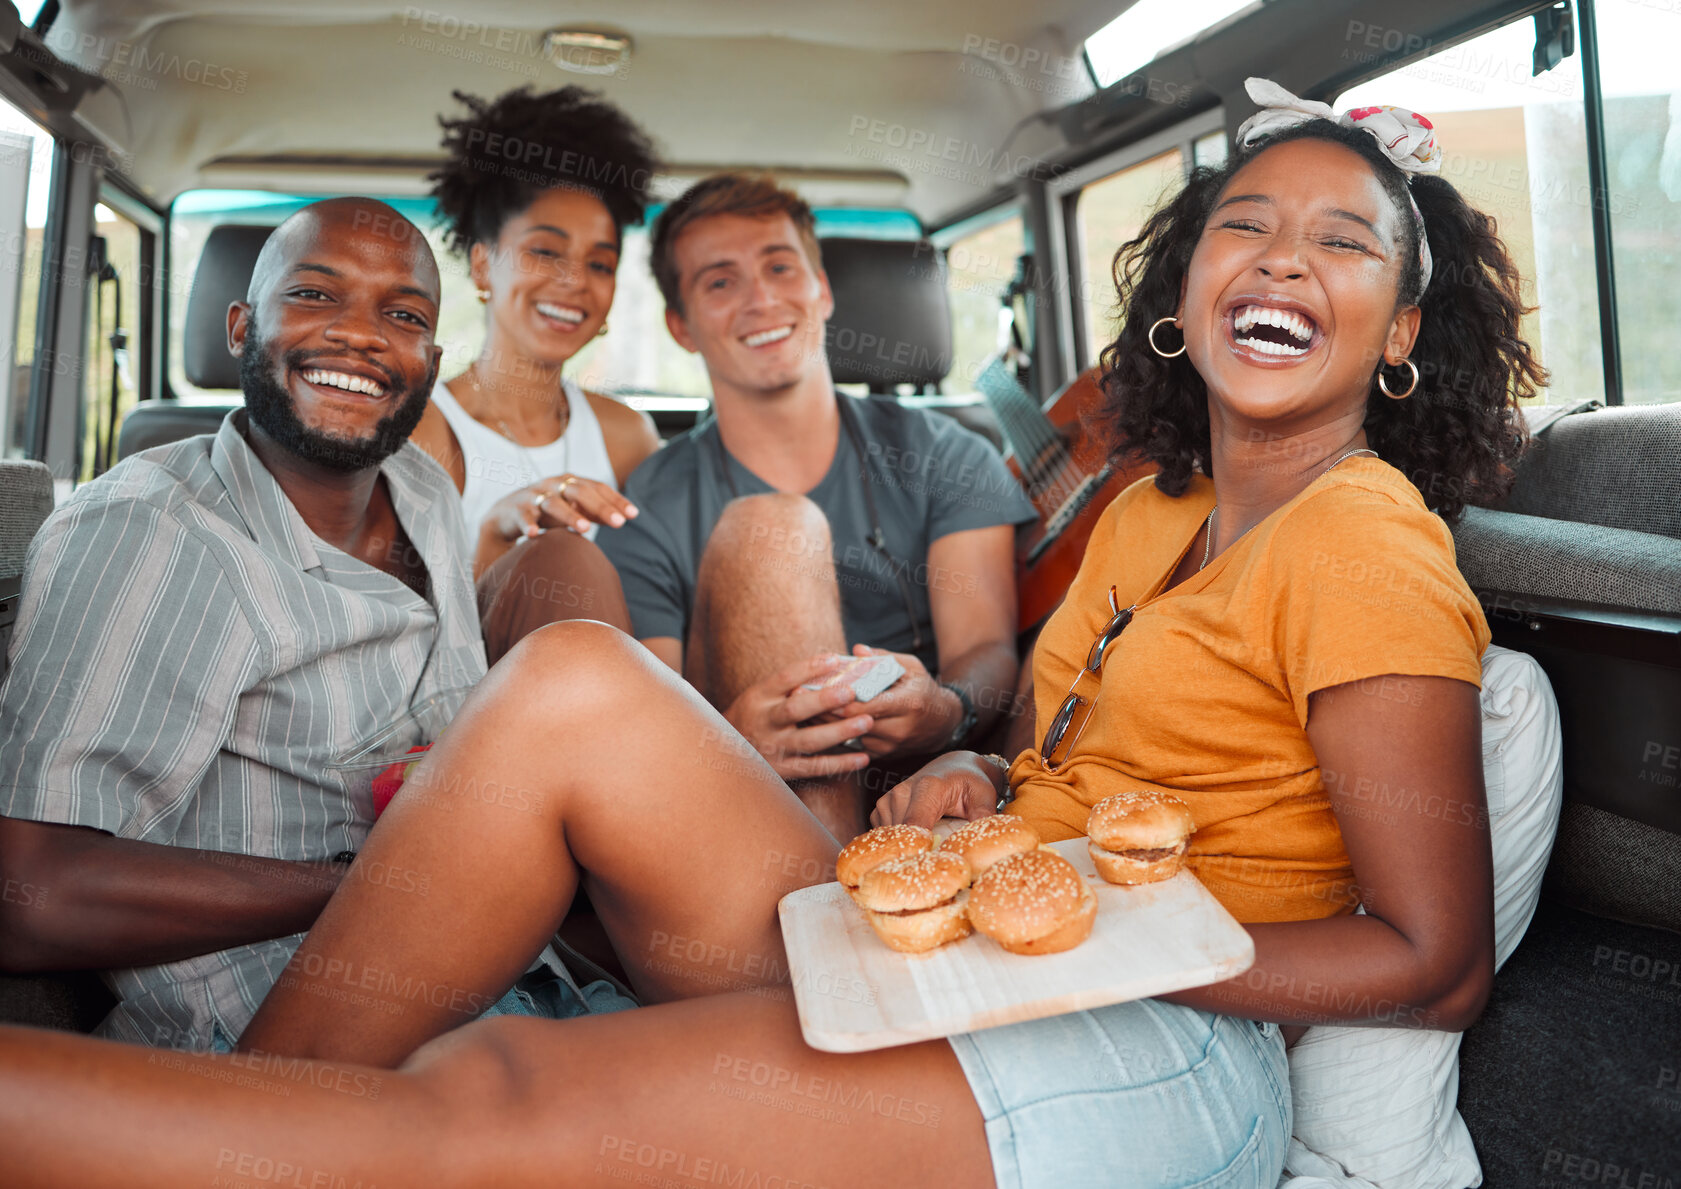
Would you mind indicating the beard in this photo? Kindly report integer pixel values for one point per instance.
(269, 405)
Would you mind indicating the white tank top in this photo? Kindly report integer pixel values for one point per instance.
(497, 466)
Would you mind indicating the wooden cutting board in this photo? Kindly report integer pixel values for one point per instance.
(855, 994)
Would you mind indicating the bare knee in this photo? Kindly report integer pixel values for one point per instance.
(557, 576)
(471, 1084)
(779, 521)
(587, 677)
(578, 658)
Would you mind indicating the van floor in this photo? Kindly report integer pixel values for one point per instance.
(1574, 1070)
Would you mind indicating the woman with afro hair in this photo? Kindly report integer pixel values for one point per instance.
(1273, 629)
(536, 193)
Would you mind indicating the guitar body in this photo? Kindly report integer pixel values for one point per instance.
(1070, 480)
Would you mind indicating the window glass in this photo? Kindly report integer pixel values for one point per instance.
(1638, 47)
(1107, 214)
(25, 169)
(1148, 27)
(1515, 145)
(1210, 149)
(979, 266)
(108, 388)
(636, 359)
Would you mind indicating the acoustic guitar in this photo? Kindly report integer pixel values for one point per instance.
(1067, 475)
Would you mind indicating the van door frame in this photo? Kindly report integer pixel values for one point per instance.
(55, 391)
(151, 319)
(1062, 228)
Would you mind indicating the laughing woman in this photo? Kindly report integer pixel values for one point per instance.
(1326, 389)
(537, 192)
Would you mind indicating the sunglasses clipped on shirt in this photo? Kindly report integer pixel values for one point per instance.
(1075, 712)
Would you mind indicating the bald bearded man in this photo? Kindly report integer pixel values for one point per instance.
(208, 630)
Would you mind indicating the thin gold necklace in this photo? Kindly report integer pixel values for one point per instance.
(531, 466)
(1208, 525)
(563, 407)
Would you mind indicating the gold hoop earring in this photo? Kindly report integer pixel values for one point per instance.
(1410, 366)
(603, 329)
(1152, 337)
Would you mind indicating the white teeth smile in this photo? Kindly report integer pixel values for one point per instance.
(1292, 323)
(560, 313)
(768, 336)
(1266, 348)
(346, 382)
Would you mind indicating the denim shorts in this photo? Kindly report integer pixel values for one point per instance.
(542, 992)
(1137, 1094)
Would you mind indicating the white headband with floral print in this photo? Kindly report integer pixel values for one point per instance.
(1407, 139)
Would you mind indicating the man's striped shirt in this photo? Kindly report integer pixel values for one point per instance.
(193, 666)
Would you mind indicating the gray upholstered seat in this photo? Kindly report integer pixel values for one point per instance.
(1618, 467)
(1581, 568)
(26, 497)
(74, 1001)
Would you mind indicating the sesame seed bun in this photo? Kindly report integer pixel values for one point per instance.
(990, 839)
(877, 846)
(917, 882)
(1140, 836)
(917, 903)
(1033, 903)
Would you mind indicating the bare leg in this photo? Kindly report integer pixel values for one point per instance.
(580, 757)
(766, 597)
(719, 1090)
(551, 578)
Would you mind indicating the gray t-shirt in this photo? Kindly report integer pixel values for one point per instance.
(930, 477)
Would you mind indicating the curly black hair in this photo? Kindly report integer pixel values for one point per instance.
(510, 149)
(1458, 432)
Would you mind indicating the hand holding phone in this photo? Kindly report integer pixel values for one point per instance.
(869, 676)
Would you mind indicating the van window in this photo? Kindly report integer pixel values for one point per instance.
(1108, 213)
(981, 260)
(26, 153)
(1145, 29)
(109, 373)
(1515, 144)
(1642, 106)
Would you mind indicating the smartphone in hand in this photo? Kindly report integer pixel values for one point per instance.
(868, 675)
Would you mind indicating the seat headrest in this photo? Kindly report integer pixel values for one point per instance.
(26, 499)
(1618, 467)
(224, 273)
(891, 323)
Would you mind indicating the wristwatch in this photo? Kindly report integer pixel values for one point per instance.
(960, 734)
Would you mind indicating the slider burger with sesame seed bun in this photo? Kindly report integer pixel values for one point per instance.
(986, 840)
(1033, 903)
(917, 903)
(1140, 836)
(877, 846)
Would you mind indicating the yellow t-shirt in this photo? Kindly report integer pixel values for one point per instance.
(1205, 693)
